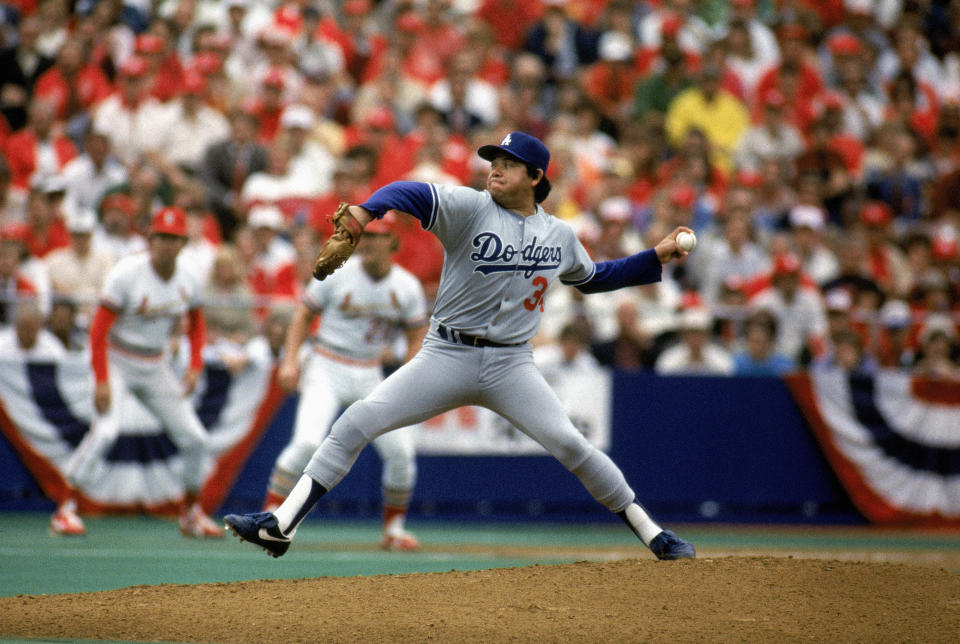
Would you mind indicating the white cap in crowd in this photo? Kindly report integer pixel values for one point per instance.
(807, 216)
(615, 46)
(895, 314)
(838, 299)
(265, 217)
(299, 116)
(938, 323)
(696, 318)
(80, 220)
(615, 209)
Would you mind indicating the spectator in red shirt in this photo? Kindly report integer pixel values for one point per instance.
(361, 43)
(73, 84)
(610, 81)
(47, 230)
(39, 147)
(393, 156)
(800, 65)
(510, 20)
(420, 60)
(268, 106)
(166, 71)
(493, 67)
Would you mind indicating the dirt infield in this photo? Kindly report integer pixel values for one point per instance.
(723, 599)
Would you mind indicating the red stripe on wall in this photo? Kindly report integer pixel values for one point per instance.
(936, 392)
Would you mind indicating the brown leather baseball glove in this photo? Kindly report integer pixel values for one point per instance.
(340, 245)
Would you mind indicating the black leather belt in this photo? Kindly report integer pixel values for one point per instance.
(452, 335)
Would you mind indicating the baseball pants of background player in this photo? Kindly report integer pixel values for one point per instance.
(328, 385)
(153, 382)
(443, 376)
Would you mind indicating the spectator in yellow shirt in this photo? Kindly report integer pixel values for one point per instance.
(720, 115)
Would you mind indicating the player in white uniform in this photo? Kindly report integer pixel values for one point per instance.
(502, 250)
(143, 298)
(360, 307)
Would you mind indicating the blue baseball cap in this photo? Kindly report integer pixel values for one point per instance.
(522, 146)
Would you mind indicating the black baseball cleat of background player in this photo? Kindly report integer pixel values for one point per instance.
(667, 545)
(260, 528)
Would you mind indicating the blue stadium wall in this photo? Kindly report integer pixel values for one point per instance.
(693, 448)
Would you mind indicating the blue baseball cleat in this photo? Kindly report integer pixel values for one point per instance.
(260, 528)
(667, 545)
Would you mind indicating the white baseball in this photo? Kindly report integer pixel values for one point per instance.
(686, 241)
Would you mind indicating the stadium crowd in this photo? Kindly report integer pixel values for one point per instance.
(813, 145)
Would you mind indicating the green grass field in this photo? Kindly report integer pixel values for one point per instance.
(127, 551)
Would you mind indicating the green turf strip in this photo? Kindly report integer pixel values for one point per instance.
(127, 551)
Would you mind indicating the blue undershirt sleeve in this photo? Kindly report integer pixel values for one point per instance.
(413, 197)
(633, 270)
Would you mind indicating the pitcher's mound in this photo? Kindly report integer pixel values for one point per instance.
(726, 599)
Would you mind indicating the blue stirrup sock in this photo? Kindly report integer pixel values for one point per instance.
(642, 524)
(298, 504)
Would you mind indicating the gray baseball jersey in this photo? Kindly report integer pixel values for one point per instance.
(498, 263)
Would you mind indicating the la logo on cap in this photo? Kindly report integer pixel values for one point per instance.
(506, 140)
(168, 218)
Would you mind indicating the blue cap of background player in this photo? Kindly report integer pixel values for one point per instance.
(522, 146)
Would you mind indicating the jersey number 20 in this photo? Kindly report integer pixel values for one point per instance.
(536, 299)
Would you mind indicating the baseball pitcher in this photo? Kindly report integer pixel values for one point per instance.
(502, 252)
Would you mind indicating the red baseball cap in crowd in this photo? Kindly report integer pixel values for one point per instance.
(148, 44)
(670, 26)
(683, 195)
(171, 220)
(194, 82)
(748, 179)
(380, 118)
(356, 7)
(119, 201)
(18, 232)
(773, 98)
(831, 101)
(844, 44)
(945, 244)
(876, 213)
(134, 67)
(410, 22)
(207, 63)
(274, 78)
(786, 264)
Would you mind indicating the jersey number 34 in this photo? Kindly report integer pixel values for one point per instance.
(536, 299)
